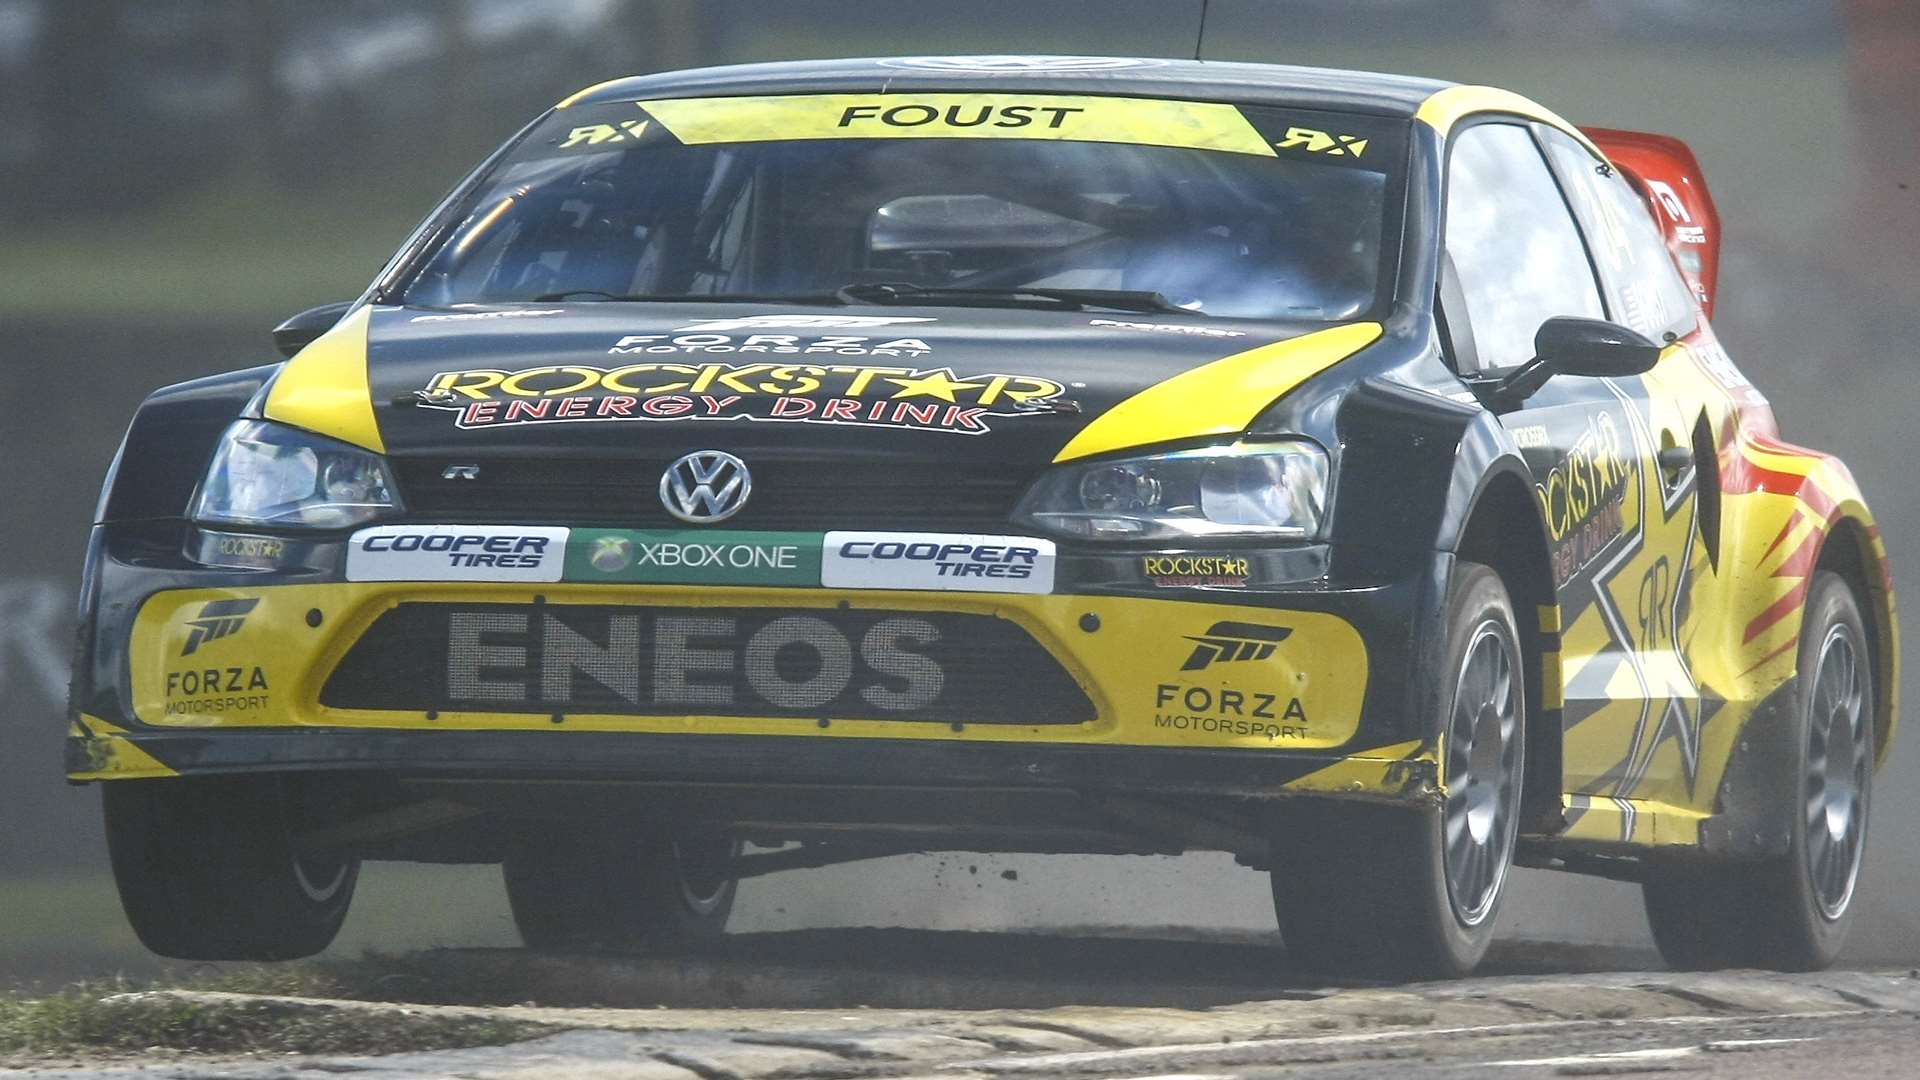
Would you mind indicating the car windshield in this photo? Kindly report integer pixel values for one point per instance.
(1223, 210)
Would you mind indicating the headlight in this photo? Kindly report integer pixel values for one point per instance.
(1275, 490)
(280, 477)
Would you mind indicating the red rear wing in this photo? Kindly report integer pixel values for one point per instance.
(1668, 176)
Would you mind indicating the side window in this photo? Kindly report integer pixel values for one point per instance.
(1644, 288)
(1513, 244)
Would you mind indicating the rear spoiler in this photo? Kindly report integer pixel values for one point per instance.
(1668, 176)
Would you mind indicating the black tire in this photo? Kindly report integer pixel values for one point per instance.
(207, 871)
(1775, 913)
(1365, 890)
(620, 890)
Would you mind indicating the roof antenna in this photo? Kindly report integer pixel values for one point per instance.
(1201, 36)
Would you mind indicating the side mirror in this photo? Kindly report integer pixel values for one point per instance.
(300, 330)
(1567, 345)
(1593, 347)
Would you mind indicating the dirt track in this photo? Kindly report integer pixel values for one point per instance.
(891, 1003)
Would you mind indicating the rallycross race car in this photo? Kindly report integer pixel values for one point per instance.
(782, 465)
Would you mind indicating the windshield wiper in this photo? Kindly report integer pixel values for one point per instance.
(691, 298)
(900, 292)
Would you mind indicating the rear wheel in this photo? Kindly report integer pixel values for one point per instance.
(207, 868)
(621, 890)
(1390, 892)
(1791, 912)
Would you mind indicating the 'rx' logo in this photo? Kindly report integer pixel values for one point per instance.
(595, 134)
(1319, 142)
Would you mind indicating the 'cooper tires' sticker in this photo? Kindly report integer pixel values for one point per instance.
(945, 561)
(457, 553)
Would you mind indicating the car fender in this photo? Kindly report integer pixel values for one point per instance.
(1486, 453)
(169, 442)
(1427, 463)
(1782, 505)
(1786, 508)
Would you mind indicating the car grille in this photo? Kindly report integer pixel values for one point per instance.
(638, 660)
(787, 495)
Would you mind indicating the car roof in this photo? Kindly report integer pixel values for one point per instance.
(1302, 87)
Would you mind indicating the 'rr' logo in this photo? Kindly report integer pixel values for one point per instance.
(1656, 596)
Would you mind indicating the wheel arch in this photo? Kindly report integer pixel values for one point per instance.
(1502, 528)
(1852, 549)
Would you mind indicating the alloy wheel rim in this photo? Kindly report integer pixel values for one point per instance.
(1839, 758)
(1481, 816)
(703, 865)
(321, 883)
(319, 876)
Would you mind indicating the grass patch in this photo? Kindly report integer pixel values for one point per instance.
(113, 1018)
(426, 977)
(240, 246)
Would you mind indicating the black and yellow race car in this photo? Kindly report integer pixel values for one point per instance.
(780, 465)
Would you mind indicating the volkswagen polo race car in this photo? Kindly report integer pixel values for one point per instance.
(782, 465)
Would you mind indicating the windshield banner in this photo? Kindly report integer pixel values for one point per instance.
(1198, 125)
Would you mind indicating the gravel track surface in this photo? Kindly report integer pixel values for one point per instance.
(896, 1004)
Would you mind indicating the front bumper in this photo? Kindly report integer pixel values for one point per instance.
(191, 670)
(98, 751)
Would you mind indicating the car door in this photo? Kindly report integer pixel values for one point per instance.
(1684, 415)
(1515, 256)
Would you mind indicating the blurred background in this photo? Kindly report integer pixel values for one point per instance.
(178, 175)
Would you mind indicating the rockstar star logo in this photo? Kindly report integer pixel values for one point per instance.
(1642, 597)
(1661, 610)
(939, 383)
(1627, 640)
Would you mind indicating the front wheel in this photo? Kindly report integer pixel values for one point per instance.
(1791, 912)
(621, 889)
(208, 869)
(1375, 891)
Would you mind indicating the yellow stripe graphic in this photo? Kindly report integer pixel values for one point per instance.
(1552, 681)
(324, 388)
(111, 754)
(1197, 125)
(569, 101)
(1454, 104)
(1549, 615)
(1383, 770)
(1219, 398)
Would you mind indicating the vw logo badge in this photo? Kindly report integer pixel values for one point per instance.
(705, 487)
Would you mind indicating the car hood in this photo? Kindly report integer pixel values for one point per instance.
(1019, 386)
